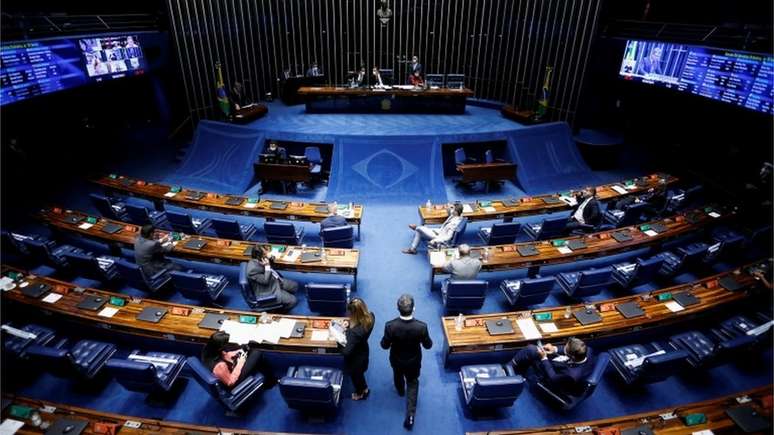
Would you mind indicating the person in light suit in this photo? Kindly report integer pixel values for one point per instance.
(465, 267)
(265, 281)
(436, 236)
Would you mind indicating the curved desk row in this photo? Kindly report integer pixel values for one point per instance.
(335, 261)
(658, 308)
(179, 322)
(222, 203)
(558, 251)
(21, 409)
(673, 420)
(542, 204)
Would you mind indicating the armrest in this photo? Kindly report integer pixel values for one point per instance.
(291, 372)
(159, 274)
(246, 384)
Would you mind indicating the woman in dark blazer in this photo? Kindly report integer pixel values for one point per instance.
(355, 351)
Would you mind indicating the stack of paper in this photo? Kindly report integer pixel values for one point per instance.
(292, 255)
(619, 189)
(285, 327)
(437, 258)
(528, 329)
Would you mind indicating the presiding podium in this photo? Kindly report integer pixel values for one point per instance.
(249, 113)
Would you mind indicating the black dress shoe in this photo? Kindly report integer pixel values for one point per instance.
(401, 393)
(408, 423)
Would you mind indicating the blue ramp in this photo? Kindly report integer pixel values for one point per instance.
(405, 169)
(548, 159)
(220, 158)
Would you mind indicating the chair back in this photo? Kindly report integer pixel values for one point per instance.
(692, 255)
(207, 380)
(646, 270)
(504, 233)
(85, 265)
(327, 298)
(227, 229)
(632, 214)
(134, 275)
(190, 285)
(9, 240)
(338, 237)
(496, 392)
(133, 375)
(104, 206)
(41, 251)
(266, 303)
(566, 401)
(280, 232)
(489, 156)
(138, 214)
(534, 291)
(659, 367)
(552, 227)
(465, 294)
(313, 154)
(459, 156)
(458, 231)
(591, 282)
(181, 222)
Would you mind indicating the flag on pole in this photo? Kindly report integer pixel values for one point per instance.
(543, 102)
(225, 105)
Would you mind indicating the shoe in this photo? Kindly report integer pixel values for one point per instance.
(401, 393)
(363, 396)
(408, 423)
(409, 251)
(413, 227)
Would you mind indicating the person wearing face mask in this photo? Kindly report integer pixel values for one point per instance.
(436, 236)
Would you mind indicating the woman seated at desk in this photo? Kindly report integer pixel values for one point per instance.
(377, 78)
(416, 79)
(231, 363)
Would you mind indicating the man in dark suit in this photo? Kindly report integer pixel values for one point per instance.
(313, 71)
(149, 253)
(276, 150)
(563, 368)
(265, 281)
(403, 336)
(586, 214)
(416, 67)
(333, 220)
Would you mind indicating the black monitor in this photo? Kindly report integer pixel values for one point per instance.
(267, 158)
(435, 80)
(387, 77)
(455, 81)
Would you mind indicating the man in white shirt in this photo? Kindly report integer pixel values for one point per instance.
(436, 236)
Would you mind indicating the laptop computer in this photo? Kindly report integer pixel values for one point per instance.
(645, 429)
(234, 200)
(92, 302)
(195, 244)
(310, 257)
(499, 326)
(630, 310)
(279, 205)
(685, 298)
(152, 314)
(112, 228)
(587, 316)
(551, 200)
(298, 330)
(67, 426)
(659, 228)
(748, 419)
(194, 196)
(213, 321)
(73, 218)
(527, 250)
(621, 236)
(730, 283)
(576, 244)
(35, 290)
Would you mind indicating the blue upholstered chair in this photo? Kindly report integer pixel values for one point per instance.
(338, 237)
(263, 303)
(142, 216)
(232, 398)
(527, 291)
(45, 252)
(13, 242)
(489, 156)
(327, 298)
(683, 259)
(232, 229)
(490, 385)
(500, 233)
(312, 389)
(85, 359)
(88, 266)
(701, 350)
(647, 364)
(586, 283)
(184, 223)
(109, 208)
(199, 286)
(459, 157)
(630, 215)
(17, 345)
(135, 276)
(150, 372)
(565, 401)
(640, 272)
(726, 244)
(549, 228)
(283, 232)
(315, 158)
(463, 295)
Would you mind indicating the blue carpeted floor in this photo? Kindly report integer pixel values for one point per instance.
(385, 273)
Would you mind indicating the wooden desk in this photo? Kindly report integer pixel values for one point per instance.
(473, 339)
(495, 171)
(171, 327)
(543, 204)
(522, 116)
(715, 410)
(282, 172)
(337, 261)
(504, 257)
(395, 100)
(249, 113)
(215, 202)
(146, 425)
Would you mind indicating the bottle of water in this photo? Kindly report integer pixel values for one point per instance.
(428, 205)
(486, 255)
(459, 322)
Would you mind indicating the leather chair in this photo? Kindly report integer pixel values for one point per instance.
(549, 228)
(726, 243)
(85, 359)
(586, 283)
(231, 229)
(14, 241)
(653, 368)
(45, 252)
(630, 215)
(489, 156)
(338, 237)
(500, 233)
(315, 158)
(86, 265)
(263, 303)
(327, 298)
(135, 276)
(283, 232)
(490, 385)
(232, 398)
(108, 208)
(700, 349)
(16, 346)
(456, 236)
(184, 223)
(527, 291)
(640, 272)
(460, 158)
(463, 295)
(198, 286)
(312, 389)
(566, 401)
(142, 216)
(150, 372)
(683, 259)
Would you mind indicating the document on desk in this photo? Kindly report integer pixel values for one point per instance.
(651, 233)
(10, 426)
(564, 250)
(108, 312)
(285, 327)
(466, 208)
(7, 283)
(548, 328)
(52, 297)
(268, 332)
(489, 209)
(320, 335)
(674, 306)
(528, 329)
(170, 194)
(250, 205)
(292, 255)
(619, 189)
(239, 333)
(85, 226)
(437, 258)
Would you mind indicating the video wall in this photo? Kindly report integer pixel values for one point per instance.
(735, 77)
(31, 68)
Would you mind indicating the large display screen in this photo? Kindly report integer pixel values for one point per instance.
(740, 78)
(31, 68)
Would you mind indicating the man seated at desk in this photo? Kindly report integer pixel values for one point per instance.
(655, 197)
(465, 267)
(563, 368)
(149, 253)
(238, 97)
(275, 150)
(361, 79)
(313, 71)
(586, 214)
(265, 281)
(436, 236)
(334, 219)
(377, 77)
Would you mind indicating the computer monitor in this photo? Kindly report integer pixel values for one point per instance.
(455, 81)
(435, 80)
(388, 78)
(267, 158)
